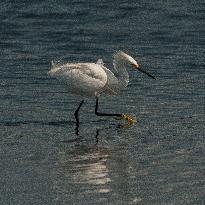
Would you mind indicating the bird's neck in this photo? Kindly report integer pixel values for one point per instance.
(122, 74)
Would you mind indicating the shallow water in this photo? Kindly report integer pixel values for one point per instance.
(46, 160)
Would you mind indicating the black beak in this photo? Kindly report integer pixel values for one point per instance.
(143, 71)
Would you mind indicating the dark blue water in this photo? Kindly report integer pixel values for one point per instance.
(45, 160)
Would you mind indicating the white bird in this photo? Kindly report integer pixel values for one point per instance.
(94, 79)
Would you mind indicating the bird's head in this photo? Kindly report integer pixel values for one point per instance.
(131, 61)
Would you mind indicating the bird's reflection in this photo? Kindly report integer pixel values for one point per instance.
(95, 168)
(77, 128)
(96, 136)
(86, 164)
(90, 167)
(79, 137)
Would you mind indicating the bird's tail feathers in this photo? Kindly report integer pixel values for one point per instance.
(52, 64)
(56, 63)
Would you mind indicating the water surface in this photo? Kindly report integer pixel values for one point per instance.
(45, 160)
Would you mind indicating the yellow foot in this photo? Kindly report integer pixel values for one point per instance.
(128, 119)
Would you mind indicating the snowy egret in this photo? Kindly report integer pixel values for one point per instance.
(94, 79)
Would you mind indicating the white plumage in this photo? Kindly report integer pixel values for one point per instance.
(93, 79)
(86, 79)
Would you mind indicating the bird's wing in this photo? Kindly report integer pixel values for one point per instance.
(81, 78)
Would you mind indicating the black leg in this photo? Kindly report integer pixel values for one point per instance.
(76, 112)
(104, 114)
(119, 116)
